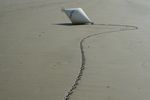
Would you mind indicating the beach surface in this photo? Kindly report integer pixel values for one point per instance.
(40, 54)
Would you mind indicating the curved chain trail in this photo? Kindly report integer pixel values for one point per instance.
(83, 62)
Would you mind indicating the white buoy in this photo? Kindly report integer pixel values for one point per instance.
(77, 16)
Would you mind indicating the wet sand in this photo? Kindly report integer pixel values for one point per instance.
(40, 59)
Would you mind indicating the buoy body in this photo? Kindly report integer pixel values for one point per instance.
(77, 16)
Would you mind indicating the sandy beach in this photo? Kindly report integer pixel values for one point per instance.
(40, 56)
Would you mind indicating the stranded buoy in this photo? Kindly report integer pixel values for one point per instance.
(77, 15)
